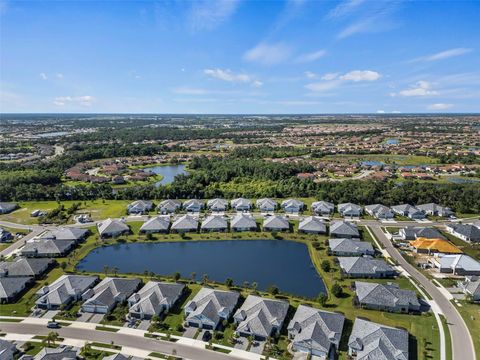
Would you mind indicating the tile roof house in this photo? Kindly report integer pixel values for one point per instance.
(379, 211)
(323, 208)
(243, 222)
(412, 233)
(214, 223)
(112, 228)
(47, 248)
(293, 206)
(24, 267)
(108, 293)
(409, 211)
(8, 350)
(370, 340)
(428, 246)
(435, 210)
(185, 223)
(6, 208)
(466, 232)
(157, 224)
(266, 205)
(471, 287)
(365, 267)
(193, 205)
(349, 247)
(276, 223)
(316, 331)
(349, 209)
(168, 206)
(241, 204)
(312, 225)
(260, 317)
(153, 299)
(209, 307)
(139, 207)
(456, 264)
(5, 236)
(217, 205)
(11, 287)
(65, 233)
(60, 353)
(65, 290)
(344, 229)
(386, 297)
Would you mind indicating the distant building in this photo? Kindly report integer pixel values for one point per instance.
(365, 267)
(412, 233)
(466, 232)
(266, 205)
(193, 205)
(430, 246)
(323, 208)
(169, 206)
(185, 223)
(158, 224)
(349, 209)
(5, 236)
(435, 210)
(293, 206)
(65, 290)
(380, 211)
(276, 223)
(408, 211)
(350, 247)
(456, 264)
(139, 207)
(217, 205)
(214, 223)
(243, 222)
(6, 208)
(386, 297)
(344, 229)
(471, 287)
(312, 225)
(241, 204)
(112, 228)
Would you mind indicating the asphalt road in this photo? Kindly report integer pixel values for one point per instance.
(20, 242)
(462, 345)
(137, 342)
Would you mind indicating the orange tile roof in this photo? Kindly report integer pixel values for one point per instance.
(439, 245)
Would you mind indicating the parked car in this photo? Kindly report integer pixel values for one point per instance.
(207, 335)
(53, 325)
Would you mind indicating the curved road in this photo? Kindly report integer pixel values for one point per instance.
(137, 342)
(462, 344)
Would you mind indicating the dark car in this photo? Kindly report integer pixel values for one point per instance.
(53, 325)
(207, 335)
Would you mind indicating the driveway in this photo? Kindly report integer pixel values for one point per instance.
(84, 317)
(96, 318)
(241, 343)
(50, 314)
(190, 332)
(144, 325)
(257, 347)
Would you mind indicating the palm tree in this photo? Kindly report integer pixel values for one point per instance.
(254, 286)
(51, 338)
(105, 269)
(115, 270)
(193, 275)
(205, 279)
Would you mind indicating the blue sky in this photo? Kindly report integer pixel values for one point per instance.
(240, 56)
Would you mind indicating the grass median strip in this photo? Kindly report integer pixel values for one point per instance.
(105, 345)
(106, 328)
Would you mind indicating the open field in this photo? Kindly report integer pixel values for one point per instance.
(402, 160)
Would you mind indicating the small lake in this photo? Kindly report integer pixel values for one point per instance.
(168, 172)
(392, 142)
(286, 264)
(372, 163)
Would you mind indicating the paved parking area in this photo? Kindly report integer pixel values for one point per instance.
(96, 318)
(190, 332)
(50, 314)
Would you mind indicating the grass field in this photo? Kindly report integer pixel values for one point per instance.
(402, 160)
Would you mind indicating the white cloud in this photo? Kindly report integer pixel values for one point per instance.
(361, 75)
(421, 88)
(445, 54)
(313, 56)
(43, 76)
(344, 9)
(59, 75)
(323, 86)
(227, 75)
(209, 14)
(268, 54)
(380, 111)
(439, 106)
(329, 76)
(85, 100)
(257, 83)
(310, 74)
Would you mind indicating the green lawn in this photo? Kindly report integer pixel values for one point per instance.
(401, 160)
(471, 315)
(472, 250)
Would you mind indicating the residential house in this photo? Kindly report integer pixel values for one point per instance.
(312, 225)
(466, 232)
(458, 264)
(370, 340)
(429, 246)
(11, 287)
(139, 207)
(5, 236)
(65, 233)
(64, 291)
(112, 228)
(266, 205)
(433, 209)
(379, 211)
(117, 357)
(344, 229)
(241, 204)
(293, 206)
(60, 353)
(185, 223)
(412, 233)
(316, 332)
(193, 205)
(22, 267)
(365, 267)
(214, 223)
(6, 208)
(350, 210)
(408, 211)
(157, 224)
(260, 317)
(153, 299)
(209, 307)
(169, 206)
(47, 248)
(243, 222)
(217, 205)
(471, 287)
(350, 247)
(108, 293)
(8, 350)
(386, 297)
(276, 223)
(323, 208)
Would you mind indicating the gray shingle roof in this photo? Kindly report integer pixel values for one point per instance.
(243, 221)
(193, 202)
(7, 350)
(323, 206)
(316, 329)
(312, 223)
(241, 203)
(459, 262)
(293, 203)
(387, 295)
(106, 292)
(217, 204)
(350, 246)
(158, 223)
(111, 226)
(7, 207)
(344, 228)
(213, 222)
(259, 315)
(276, 222)
(349, 207)
(9, 287)
(64, 288)
(209, 303)
(60, 353)
(364, 266)
(185, 222)
(116, 357)
(433, 208)
(266, 203)
(155, 295)
(373, 341)
(469, 231)
(65, 233)
(169, 205)
(140, 206)
(425, 232)
(47, 247)
(24, 267)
